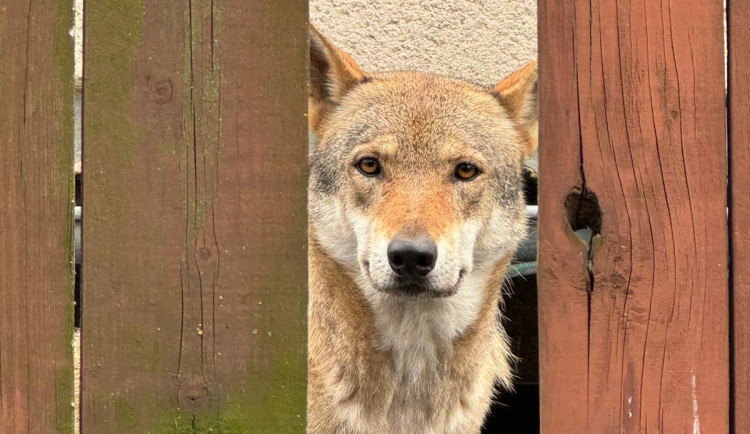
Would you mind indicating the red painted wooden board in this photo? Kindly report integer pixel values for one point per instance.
(195, 146)
(36, 217)
(739, 150)
(632, 100)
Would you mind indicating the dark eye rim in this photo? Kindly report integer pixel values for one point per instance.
(377, 172)
(466, 163)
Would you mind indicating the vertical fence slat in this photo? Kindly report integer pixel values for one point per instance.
(194, 304)
(36, 217)
(738, 14)
(632, 98)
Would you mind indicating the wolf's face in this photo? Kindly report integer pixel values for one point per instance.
(416, 180)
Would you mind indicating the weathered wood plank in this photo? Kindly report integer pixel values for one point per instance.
(194, 216)
(738, 14)
(632, 100)
(36, 217)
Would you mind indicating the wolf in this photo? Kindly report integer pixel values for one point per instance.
(415, 211)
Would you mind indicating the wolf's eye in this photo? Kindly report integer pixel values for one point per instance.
(466, 172)
(369, 166)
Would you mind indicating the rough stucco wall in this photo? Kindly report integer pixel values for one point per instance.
(478, 40)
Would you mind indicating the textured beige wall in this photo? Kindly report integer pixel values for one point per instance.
(479, 40)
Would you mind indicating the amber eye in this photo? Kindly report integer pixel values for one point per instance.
(369, 166)
(466, 172)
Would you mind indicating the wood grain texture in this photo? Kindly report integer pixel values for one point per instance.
(195, 276)
(738, 15)
(36, 217)
(632, 100)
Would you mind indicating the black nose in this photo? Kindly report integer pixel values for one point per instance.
(412, 257)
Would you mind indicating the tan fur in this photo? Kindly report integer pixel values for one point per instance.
(344, 71)
(396, 213)
(380, 362)
(514, 91)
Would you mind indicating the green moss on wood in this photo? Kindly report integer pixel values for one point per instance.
(109, 79)
(125, 412)
(269, 396)
(63, 178)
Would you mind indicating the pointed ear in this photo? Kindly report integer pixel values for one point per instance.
(332, 75)
(519, 94)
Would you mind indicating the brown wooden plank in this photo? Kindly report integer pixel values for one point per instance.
(194, 216)
(36, 217)
(738, 14)
(632, 102)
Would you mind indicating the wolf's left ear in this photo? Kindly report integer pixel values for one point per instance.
(332, 75)
(519, 94)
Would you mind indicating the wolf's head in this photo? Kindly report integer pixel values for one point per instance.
(416, 179)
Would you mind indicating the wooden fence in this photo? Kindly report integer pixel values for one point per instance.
(634, 332)
(36, 217)
(194, 269)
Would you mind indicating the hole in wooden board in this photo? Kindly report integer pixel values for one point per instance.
(583, 213)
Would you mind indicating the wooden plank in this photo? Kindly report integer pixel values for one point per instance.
(195, 275)
(36, 217)
(632, 100)
(738, 14)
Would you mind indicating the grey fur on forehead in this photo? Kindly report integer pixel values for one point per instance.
(445, 107)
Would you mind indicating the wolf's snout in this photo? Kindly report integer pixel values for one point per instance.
(412, 257)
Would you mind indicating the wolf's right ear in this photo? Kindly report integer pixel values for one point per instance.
(332, 75)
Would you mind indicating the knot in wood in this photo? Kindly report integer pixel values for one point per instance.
(161, 90)
(193, 397)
